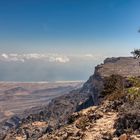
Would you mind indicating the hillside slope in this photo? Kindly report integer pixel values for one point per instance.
(116, 118)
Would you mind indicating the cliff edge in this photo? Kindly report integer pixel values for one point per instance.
(123, 66)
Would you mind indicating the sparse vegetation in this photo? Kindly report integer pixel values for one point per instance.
(128, 121)
(133, 92)
(117, 87)
(134, 81)
(136, 53)
(113, 87)
(127, 90)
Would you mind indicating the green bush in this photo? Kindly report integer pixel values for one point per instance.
(135, 81)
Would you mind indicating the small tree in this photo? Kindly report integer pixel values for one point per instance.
(136, 53)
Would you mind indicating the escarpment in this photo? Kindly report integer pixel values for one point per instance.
(123, 66)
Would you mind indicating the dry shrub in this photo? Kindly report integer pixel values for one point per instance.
(113, 87)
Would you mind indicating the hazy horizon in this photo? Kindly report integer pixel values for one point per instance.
(51, 40)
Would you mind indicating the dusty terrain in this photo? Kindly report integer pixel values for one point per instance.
(17, 97)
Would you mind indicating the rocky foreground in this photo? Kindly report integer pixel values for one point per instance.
(107, 107)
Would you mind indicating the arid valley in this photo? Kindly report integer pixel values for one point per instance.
(18, 97)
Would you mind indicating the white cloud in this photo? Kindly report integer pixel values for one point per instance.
(11, 57)
(5, 56)
(59, 59)
(50, 57)
(34, 56)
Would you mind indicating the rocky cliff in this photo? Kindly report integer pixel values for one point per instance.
(123, 66)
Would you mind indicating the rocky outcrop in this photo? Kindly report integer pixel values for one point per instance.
(94, 123)
(123, 66)
(13, 122)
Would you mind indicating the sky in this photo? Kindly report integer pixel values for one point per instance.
(58, 40)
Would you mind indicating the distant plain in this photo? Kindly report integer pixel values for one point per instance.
(17, 97)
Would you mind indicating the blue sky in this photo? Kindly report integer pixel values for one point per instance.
(52, 23)
(70, 27)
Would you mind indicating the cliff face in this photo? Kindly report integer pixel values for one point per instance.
(123, 66)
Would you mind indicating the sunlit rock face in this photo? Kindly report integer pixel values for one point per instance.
(124, 66)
